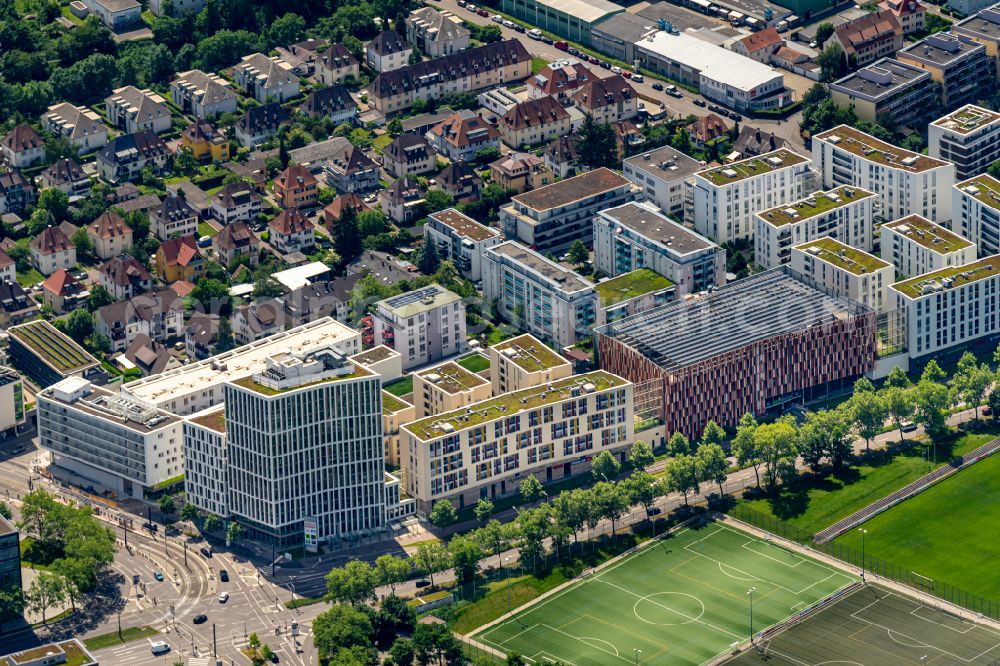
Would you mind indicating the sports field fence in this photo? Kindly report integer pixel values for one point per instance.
(872, 566)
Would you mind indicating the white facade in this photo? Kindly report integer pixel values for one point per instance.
(180, 7)
(906, 183)
(975, 208)
(266, 79)
(666, 176)
(461, 240)
(968, 138)
(116, 14)
(844, 214)
(424, 325)
(726, 197)
(11, 399)
(917, 246)
(845, 270)
(206, 463)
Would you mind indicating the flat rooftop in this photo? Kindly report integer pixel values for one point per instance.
(967, 119)
(55, 348)
(213, 418)
(722, 65)
(451, 378)
(393, 404)
(765, 305)
(631, 285)
(984, 24)
(563, 279)
(941, 49)
(252, 384)
(927, 234)
(868, 147)
(239, 362)
(983, 187)
(753, 166)
(529, 353)
(666, 163)
(114, 406)
(585, 10)
(880, 79)
(816, 204)
(512, 403)
(375, 355)
(842, 256)
(950, 277)
(300, 276)
(565, 192)
(417, 301)
(650, 223)
(464, 225)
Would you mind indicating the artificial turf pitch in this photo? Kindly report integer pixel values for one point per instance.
(876, 627)
(682, 600)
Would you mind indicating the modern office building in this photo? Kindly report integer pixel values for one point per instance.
(461, 240)
(726, 197)
(916, 245)
(485, 450)
(636, 235)
(10, 556)
(976, 212)
(962, 67)
(666, 176)
(423, 325)
(572, 19)
(550, 218)
(968, 138)
(844, 213)
(846, 271)
(447, 387)
(950, 306)
(905, 183)
(524, 362)
(888, 87)
(754, 346)
(540, 296)
(47, 355)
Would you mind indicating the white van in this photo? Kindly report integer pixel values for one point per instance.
(159, 647)
(535, 34)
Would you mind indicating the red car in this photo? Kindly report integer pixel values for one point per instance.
(483, 12)
(562, 46)
(627, 74)
(594, 60)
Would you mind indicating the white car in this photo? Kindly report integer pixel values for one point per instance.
(616, 69)
(159, 647)
(496, 18)
(224, 597)
(508, 24)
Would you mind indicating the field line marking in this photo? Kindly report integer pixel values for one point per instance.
(685, 616)
(814, 562)
(816, 583)
(920, 607)
(552, 659)
(627, 661)
(745, 573)
(774, 559)
(723, 567)
(521, 632)
(585, 639)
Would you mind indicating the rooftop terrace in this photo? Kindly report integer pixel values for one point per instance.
(811, 206)
(412, 303)
(865, 145)
(253, 384)
(529, 354)
(983, 187)
(451, 378)
(754, 166)
(54, 347)
(843, 256)
(374, 355)
(512, 403)
(392, 404)
(949, 278)
(630, 285)
(931, 236)
(967, 119)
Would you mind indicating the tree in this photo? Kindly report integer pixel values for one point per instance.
(604, 466)
(610, 502)
(682, 141)
(832, 62)
(224, 340)
(46, 591)
(531, 489)
(395, 127)
(713, 434)
(933, 372)
(682, 475)
(431, 558)
(869, 412)
(678, 445)
(428, 260)
(391, 570)
(5, 511)
(84, 245)
(640, 487)
(744, 445)
(897, 379)
(435, 200)
(484, 510)
(80, 325)
(713, 465)
(465, 556)
(571, 510)
(12, 601)
(533, 526)
(434, 643)
(640, 456)
(394, 617)
(971, 381)
(340, 627)
(354, 583)
(401, 653)
(213, 295)
(55, 201)
(233, 532)
(777, 445)
(596, 144)
(578, 253)
(286, 30)
(443, 514)
(212, 523)
(899, 405)
(266, 287)
(823, 32)
(488, 34)
(189, 512)
(931, 399)
(166, 505)
(824, 435)
(99, 297)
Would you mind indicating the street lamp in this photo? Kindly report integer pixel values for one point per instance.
(863, 533)
(750, 595)
(637, 652)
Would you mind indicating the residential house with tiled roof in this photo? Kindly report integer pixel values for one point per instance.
(82, 127)
(149, 356)
(436, 33)
(753, 141)
(389, 50)
(534, 121)
(316, 300)
(125, 157)
(110, 235)
(158, 314)
(706, 129)
(8, 267)
(66, 175)
(203, 95)
(22, 147)
(462, 135)
(333, 102)
(403, 201)
(62, 292)
(460, 181)
(201, 335)
(520, 172)
(257, 320)
(335, 64)
(291, 231)
(236, 202)
(350, 170)
(561, 157)
(173, 217)
(408, 153)
(260, 123)
(608, 100)
(17, 193)
(628, 137)
(559, 79)
(295, 187)
(873, 36)
(266, 79)
(909, 13)
(236, 241)
(124, 277)
(179, 259)
(206, 143)
(51, 250)
(15, 306)
(759, 45)
(132, 110)
(335, 209)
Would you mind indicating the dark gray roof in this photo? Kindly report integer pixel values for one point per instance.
(388, 42)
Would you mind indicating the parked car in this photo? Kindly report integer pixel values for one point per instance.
(496, 18)
(158, 576)
(907, 426)
(422, 583)
(698, 102)
(675, 93)
(656, 86)
(572, 51)
(562, 46)
(471, 7)
(605, 64)
(535, 33)
(653, 511)
(519, 28)
(616, 69)
(159, 647)
(627, 74)
(200, 619)
(206, 551)
(714, 108)
(205, 241)
(509, 24)
(637, 78)
(594, 61)
(461, 3)
(735, 116)
(987, 411)
(483, 13)
(223, 575)
(224, 597)
(547, 40)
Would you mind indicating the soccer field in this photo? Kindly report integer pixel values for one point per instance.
(682, 600)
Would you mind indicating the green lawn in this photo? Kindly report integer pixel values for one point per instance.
(538, 64)
(65, 11)
(112, 638)
(206, 229)
(400, 387)
(474, 362)
(380, 142)
(29, 277)
(946, 533)
(814, 504)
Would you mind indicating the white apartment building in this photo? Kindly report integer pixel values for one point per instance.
(525, 362)
(916, 246)
(847, 271)
(206, 462)
(461, 240)
(905, 183)
(844, 214)
(950, 306)
(726, 197)
(487, 449)
(423, 325)
(203, 95)
(132, 110)
(111, 439)
(538, 295)
(975, 208)
(969, 138)
(266, 79)
(666, 176)
(446, 387)
(637, 235)
(11, 399)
